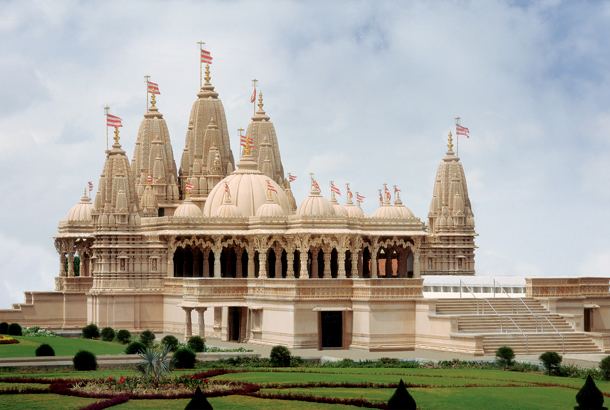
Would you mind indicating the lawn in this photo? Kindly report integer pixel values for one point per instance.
(63, 346)
(440, 389)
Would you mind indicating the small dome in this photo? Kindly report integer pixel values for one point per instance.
(315, 205)
(270, 210)
(338, 208)
(353, 211)
(81, 212)
(228, 211)
(387, 211)
(404, 212)
(187, 209)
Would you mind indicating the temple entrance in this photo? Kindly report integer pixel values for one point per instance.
(331, 330)
(587, 319)
(234, 325)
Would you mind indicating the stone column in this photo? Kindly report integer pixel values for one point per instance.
(71, 264)
(374, 266)
(290, 263)
(314, 263)
(341, 263)
(251, 268)
(62, 264)
(239, 273)
(170, 266)
(262, 264)
(355, 264)
(217, 253)
(188, 327)
(303, 272)
(416, 267)
(327, 255)
(206, 262)
(201, 320)
(278, 262)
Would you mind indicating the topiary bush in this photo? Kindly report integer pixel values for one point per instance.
(135, 348)
(3, 328)
(401, 399)
(551, 362)
(45, 350)
(196, 344)
(184, 358)
(170, 342)
(107, 334)
(84, 360)
(91, 331)
(280, 356)
(604, 366)
(589, 397)
(123, 336)
(505, 356)
(14, 329)
(198, 402)
(147, 337)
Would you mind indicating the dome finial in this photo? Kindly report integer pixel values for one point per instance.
(348, 194)
(450, 143)
(260, 102)
(315, 187)
(397, 200)
(207, 77)
(116, 138)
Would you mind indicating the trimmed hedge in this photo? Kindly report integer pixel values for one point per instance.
(505, 356)
(280, 356)
(84, 360)
(3, 328)
(14, 329)
(45, 350)
(123, 336)
(171, 342)
(196, 344)
(135, 348)
(184, 358)
(147, 338)
(107, 334)
(91, 331)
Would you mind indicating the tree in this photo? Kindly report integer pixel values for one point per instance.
(505, 356)
(147, 337)
(196, 344)
(401, 399)
(551, 362)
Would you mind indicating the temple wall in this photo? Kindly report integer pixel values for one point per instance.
(383, 325)
(53, 310)
(134, 312)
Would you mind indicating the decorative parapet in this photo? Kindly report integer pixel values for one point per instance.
(199, 290)
(77, 284)
(566, 287)
(388, 289)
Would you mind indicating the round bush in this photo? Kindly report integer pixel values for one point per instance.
(3, 328)
(147, 337)
(107, 334)
(196, 344)
(184, 358)
(135, 348)
(123, 336)
(14, 329)
(84, 360)
(604, 366)
(45, 350)
(171, 342)
(91, 331)
(505, 356)
(280, 356)
(551, 362)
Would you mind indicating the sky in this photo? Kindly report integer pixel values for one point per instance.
(359, 91)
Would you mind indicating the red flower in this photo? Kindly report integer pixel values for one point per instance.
(122, 380)
(110, 378)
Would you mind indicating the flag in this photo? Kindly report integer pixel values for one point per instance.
(396, 189)
(113, 121)
(359, 198)
(149, 179)
(291, 178)
(188, 187)
(459, 130)
(270, 186)
(90, 185)
(244, 140)
(206, 57)
(253, 96)
(387, 193)
(153, 88)
(348, 192)
(334, 188)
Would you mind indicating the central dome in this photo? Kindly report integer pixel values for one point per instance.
(248, 188)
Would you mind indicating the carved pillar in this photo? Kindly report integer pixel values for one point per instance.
(201, 321)
(239, 272)
(303, 268)
(327, 254)
(251, 268)
(290, 263)
(262, 264)
(374, 265)
(71, 264)
(170, 264)
(278, 261)
(341, 262)
(62, 264)
(416, 268)
(402, 263)
(188, 327)
(314, 263)
(206, 262)
(217, 252)
(355, 264)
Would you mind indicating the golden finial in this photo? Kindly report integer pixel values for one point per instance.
(153, 101)
(207, 74)
(260, 101)
(116, 136)
(450, 142)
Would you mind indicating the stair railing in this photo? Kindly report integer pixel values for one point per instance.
(563, 343)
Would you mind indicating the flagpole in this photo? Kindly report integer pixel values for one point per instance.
(254, 81)
(201, 43)
(457, 138)
(106, 111)
(239, 131)
(146, 78)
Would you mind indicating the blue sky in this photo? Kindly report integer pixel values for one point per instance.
(360, 92)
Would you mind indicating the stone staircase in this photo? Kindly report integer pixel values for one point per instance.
(521, 323)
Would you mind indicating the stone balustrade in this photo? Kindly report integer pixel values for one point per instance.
(566, 287)
(77, 284)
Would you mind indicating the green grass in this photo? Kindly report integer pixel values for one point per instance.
(42, 402)
(232, 403)
(63, 346)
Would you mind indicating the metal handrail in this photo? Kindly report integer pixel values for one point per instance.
(563, 346)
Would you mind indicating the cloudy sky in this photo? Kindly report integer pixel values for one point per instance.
(360, 92)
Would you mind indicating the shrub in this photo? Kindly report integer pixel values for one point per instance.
(184, 358)
(296, 361)
(551, 362)
(170, 342)
(196, 344)
(505, 356)
(155, 364)
(280, 356)
(589, 396)
(135, 348)
(38, 331)
(123, 336)
(604, 366)
(3, 328)
(401, 399)
(91, 331)
(14, 329)
(84, 360)
(108, 334)
(45, 350)
(147, 337)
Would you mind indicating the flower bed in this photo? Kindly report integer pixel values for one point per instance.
(8, 340)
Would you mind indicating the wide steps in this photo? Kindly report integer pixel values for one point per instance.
(541, 342)
(522, 322)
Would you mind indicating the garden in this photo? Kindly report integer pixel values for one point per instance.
(168, 376)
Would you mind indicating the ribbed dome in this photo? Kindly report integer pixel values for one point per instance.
(81, 212)
(187, 209)
(315, 205)
(338, 208)
(228, 211)
(387, 211)
(248, 188)
(270, 210)
(353, 211)
(404, 212)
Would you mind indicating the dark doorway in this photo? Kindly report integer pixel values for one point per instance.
(331, 327)
(588, 313)
(234, 323)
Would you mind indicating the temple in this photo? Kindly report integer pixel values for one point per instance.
(222, 249)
